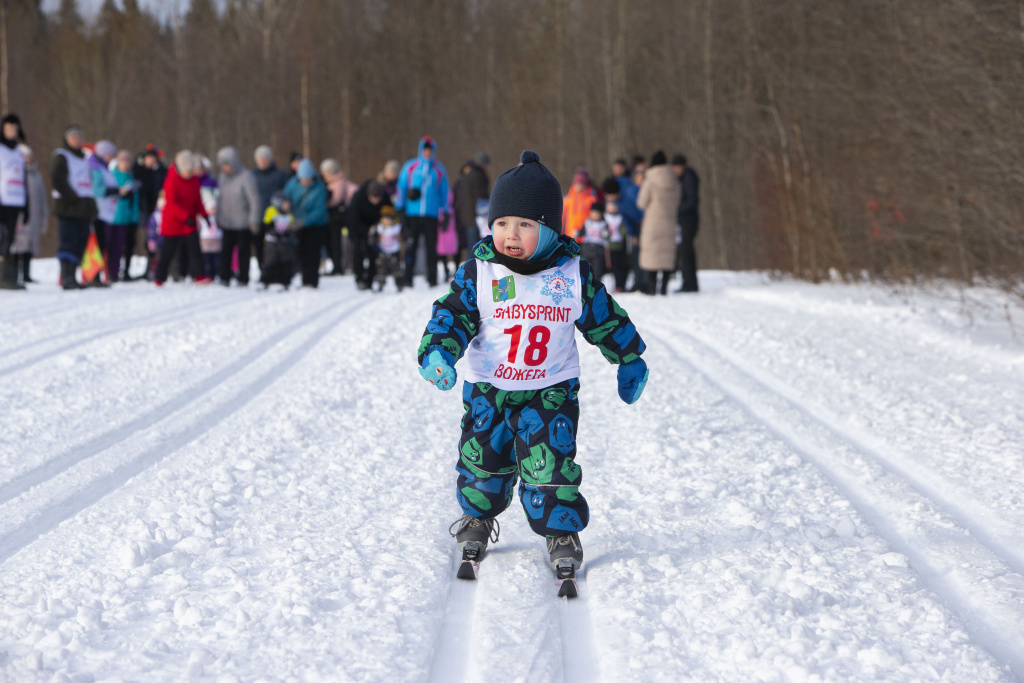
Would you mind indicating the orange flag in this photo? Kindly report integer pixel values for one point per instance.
(92, 260)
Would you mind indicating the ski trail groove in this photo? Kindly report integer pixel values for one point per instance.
(137, 321)
(22, 483)
(53, 309)
(454, 640)
(579, 656)
(956, 567)
(153, 319)
(995, 534)
(68, 504)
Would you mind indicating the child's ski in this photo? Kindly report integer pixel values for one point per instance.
(472, 553)
(565, 579)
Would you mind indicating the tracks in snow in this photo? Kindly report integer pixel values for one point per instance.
(972, 564)
(40, 499)
(83, 337)
(475, 611)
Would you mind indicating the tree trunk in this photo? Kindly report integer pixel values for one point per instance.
(712, 157)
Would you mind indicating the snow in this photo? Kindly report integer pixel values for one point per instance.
(820, 483)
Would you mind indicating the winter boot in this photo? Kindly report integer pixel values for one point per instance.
(473, 534)
(565, 550)
(26, 262)
(9, 273)
(67, 275)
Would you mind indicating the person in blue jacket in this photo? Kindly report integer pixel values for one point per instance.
(423, 199)
(308, 197)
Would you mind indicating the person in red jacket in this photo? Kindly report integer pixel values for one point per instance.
(178, 227)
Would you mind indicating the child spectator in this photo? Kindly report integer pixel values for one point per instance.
(618, 237)
(594, 237)
(513, 310)
(121, 238)
(153, 238)
(448, 242)
(388, 237)
(279, 251)
(211, 238)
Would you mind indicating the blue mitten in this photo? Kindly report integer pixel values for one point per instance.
(438, 371)
(632, 380)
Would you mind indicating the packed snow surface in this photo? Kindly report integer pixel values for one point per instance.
(820, 483)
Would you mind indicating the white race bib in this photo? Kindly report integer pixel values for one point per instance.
(78, 174)
(527, 336)
(12, 177)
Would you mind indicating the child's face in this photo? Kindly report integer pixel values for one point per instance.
(596, 215)
(387, 221)
(516, 237)
(612, 208)
(286, 206)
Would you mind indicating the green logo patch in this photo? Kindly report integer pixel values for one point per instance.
(503, 289)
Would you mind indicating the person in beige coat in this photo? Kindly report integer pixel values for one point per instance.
(659, 198)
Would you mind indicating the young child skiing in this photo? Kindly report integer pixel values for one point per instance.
(279, 251)
(513, 310)
(388, 238)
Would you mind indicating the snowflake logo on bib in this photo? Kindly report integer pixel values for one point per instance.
(557, 286)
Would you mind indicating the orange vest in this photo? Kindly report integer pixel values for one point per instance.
(575, 210)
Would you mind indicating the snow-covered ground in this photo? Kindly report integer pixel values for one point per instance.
(819, 483)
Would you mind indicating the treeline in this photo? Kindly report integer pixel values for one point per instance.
(871, 136)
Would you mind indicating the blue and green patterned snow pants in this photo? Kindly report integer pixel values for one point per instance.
(507, 435)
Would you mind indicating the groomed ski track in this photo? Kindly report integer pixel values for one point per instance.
(955, 554)
(235, 485)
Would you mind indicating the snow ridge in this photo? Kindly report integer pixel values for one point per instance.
(44, 512)
(952, 563)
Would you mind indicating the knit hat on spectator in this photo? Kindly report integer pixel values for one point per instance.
(388, 212)
(74, 129)
(678, 160)
(306, 170)
(658, 159)
(330, 167)
(528, 191)
(581, 175)
(263, 152)
(597, 206)
(105, 149)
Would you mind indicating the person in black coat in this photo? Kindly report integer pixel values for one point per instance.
(472, 186)
(269, 179)
(364, 213)
(689, 221)
(150, 172)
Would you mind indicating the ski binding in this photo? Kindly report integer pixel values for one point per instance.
(565, 578)
(472, 552)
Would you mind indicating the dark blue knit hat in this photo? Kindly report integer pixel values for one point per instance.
(528, 190)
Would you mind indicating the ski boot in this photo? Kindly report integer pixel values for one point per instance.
(566, 556)
(472, 536)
